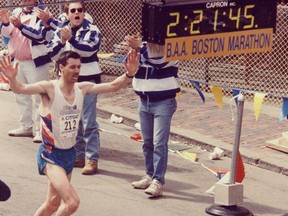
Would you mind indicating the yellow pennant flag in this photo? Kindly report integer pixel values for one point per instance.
(188, 155)
(217, 92)
(105, 55)
(178, 95)
(258, 100)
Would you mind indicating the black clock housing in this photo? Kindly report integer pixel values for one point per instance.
(161, 20)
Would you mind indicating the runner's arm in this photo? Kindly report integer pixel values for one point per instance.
(17, 87)
(131, 65)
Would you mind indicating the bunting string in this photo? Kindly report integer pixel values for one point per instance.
(258, 97)
(271, 94)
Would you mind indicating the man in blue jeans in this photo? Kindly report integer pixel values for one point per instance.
(156, 83)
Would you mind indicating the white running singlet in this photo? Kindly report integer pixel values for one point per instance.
(60, 126)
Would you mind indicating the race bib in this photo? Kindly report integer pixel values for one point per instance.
(69, 125)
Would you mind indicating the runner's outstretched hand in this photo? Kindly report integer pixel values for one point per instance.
(132, 62)
(8, 68)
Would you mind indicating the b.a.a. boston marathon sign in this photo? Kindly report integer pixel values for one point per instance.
(181, 48)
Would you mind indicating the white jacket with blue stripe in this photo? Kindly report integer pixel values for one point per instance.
(86, 41)
(156, 79)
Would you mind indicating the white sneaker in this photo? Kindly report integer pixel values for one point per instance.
(21, 132)
(155, 189)
(37, 138)
(143, 183)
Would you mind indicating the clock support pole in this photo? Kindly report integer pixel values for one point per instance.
(227, 196)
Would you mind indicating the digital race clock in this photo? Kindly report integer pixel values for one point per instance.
(162, 20)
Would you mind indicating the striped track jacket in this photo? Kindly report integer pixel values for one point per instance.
(86, 42)
(156, 80)
(32, 32)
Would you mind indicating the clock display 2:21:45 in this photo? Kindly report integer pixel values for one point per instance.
(211, 20)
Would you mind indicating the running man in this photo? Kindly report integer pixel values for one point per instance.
(60, 112)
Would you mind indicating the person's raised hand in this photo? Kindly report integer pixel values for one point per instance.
(8, 68)
(66, 34)
(134, 41)
(4, 15)
(15, 21)
(132, 62)
(44, 15)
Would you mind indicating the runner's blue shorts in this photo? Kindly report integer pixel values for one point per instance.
(64, 158)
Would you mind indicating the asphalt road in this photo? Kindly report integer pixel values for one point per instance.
(109, 192)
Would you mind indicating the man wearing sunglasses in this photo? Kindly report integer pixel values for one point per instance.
(53, 24)
(63, 17)
(78, 34)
